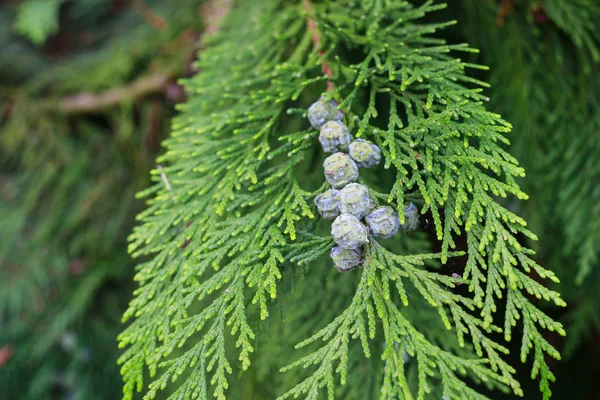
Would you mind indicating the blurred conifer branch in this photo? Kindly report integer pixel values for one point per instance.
(212, 12)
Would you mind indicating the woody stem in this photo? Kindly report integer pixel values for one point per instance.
(316, 39)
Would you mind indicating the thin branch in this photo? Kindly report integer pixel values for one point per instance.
(506, 8)
(153, 19)
(6, 353)
(164, 178)
(90, 103)
(212, 11)
(316, 39)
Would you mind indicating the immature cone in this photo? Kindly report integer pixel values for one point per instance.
(365, 153)
(348, 232)
(334, 136)
(328, 204)
(354, 199)
(346, 260)
(411, 217)
(340, 170)
(383, 222)
(323, 111)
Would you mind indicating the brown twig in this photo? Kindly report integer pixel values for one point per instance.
(316, 39)
(213, 12)
(90, 103)
(149, 16)
(6, 352)
(506, 8)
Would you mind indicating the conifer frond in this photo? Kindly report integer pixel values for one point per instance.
(373, 300)
(232, 204)
(236, 214)
(551, 101)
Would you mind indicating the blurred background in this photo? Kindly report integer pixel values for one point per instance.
(87, 91)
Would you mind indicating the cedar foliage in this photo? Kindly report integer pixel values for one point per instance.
(549, 87)
(236, 202)
(232, 267)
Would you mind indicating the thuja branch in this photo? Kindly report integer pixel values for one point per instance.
(389, 342)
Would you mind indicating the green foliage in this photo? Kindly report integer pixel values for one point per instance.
(67, 197)
(230, 212)
(546, 82)
(38, 19)
(235, 280)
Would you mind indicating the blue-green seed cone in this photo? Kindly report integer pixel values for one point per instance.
(328, 204)
(348, 232)
(366, 154)
(323, 111)
(346, 260)
(411, 218)
(334, 136)
(355, 200)
(340, 170)
(383, 222)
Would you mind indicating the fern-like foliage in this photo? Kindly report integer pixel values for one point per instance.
(550, 94)
(230, 212)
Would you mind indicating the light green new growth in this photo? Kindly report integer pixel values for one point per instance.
(230, 212)
(546, 81)
(38, 19)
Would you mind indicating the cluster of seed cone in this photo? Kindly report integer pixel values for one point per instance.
(348, 202)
